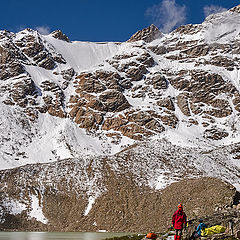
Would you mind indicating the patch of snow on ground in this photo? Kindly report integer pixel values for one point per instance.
(36, 211)
(162, 182)
(91, 201)
(14, 207)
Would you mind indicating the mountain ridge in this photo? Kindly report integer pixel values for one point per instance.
(159, 108)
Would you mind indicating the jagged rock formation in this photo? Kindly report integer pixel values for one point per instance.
(147, 34)
(165, 107)
(58, 34)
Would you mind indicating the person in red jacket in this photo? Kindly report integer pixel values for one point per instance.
(179, 221)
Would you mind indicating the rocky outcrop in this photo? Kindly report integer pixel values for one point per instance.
(215, 133)
(188, 29)
(235, 9)
(112, 80)
(159, 81)
(166, 103)
(182, 102)
(159, 50)
(89, 84)
(114, 101)
(147, 34)
(204, 91)
(10, 65)
(220, 61)
(135, 125)
(136, 73)
(197, 51)
(22, 90)
(33, 47)
(129, 76)
(88, 119)
(58, 34)
(169, 119)
(53, 98)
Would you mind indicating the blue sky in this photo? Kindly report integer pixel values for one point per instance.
(105, 20)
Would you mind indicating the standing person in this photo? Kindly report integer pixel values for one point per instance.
(179, 221)
(231, 226)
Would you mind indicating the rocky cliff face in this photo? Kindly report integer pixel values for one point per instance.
(155, 109)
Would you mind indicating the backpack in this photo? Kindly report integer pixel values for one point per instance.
(151, 236)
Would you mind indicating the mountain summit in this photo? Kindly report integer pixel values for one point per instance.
(155, 109)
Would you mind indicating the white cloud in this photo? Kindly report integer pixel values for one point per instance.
(167, 15)
(44, 30)
(211, 9)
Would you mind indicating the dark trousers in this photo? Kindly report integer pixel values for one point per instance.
(178, 232)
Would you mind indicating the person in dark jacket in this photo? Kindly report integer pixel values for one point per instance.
(179, 221)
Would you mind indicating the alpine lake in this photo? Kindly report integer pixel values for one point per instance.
(59, 235)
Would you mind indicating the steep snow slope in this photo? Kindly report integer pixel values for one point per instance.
(83, 55)
(222, 27)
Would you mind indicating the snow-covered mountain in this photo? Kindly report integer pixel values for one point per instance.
(160, 107)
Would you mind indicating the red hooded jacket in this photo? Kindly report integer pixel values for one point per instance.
(178, 219)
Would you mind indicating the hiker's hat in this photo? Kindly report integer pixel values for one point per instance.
(180, 206)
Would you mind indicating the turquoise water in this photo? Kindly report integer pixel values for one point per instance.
(58, 236)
